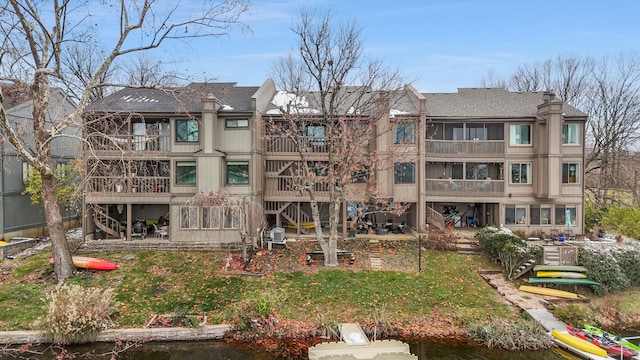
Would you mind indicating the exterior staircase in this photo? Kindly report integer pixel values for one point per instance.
(435, 219)
(106, 223)
(292, 213)
(523, 269)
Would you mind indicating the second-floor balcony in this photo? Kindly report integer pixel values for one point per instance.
(127, 143)
(282, 145)
(467, 148)
(289, 186)
(461, 187)
(138, 184)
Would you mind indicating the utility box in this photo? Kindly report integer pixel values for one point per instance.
(277, 235)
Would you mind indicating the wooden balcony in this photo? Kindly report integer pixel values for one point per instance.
(281, 145)
(129, 143)
(289, 186)
(138, 184)
(455, 187)
(465, 148)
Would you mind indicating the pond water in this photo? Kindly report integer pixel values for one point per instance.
(216, 350)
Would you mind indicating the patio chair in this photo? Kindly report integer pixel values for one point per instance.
(160, 232)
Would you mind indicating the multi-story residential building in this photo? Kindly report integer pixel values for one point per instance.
(150, 152)
(18, 216)
(477, 157)
(511, 158)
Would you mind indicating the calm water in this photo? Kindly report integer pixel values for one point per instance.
(216, 350)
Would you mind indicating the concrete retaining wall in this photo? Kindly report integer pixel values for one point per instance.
(210, 332)
(16, 246)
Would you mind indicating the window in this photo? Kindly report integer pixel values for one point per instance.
(515, 215)
(570, 173)
(237, 172)
(476, 171)
(361, 175)
(404, 173)
(188, 217)
(185, 172)
(540, 215)
(405, 133)
(237, 123)
(187, 130)
(520, 134)
(211, 217)
(316, 134)
(565, 216)
(26, 172)
(232, 217)
(520, 173)
(476, 132)
(570, 133)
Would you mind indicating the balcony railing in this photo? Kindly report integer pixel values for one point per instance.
(138, 184)
(466, 187)
(467, 148)
(291, 186)
(280, 145)
(100, 142)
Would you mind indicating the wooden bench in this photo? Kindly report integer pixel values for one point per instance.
(319, 255)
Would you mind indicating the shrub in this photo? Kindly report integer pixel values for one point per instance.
(76, 314)
(629, 262)
(507, 248)
(623, 219)
(258, 306)
(511, 335)
(604, 269)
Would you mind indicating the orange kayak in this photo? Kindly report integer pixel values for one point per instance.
(85, 262)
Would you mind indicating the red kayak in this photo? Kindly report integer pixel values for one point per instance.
(85, 262)
(612, 348)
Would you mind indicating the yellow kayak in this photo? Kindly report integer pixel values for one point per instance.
(561, 274)
(2, 243)
(548, 292)
(578, 343)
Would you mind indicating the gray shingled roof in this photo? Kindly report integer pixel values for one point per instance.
(487, 103)
(185, 99)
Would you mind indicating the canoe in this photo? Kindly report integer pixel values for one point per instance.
(561, 281)
(2, 243)
(304, 225)
(578, 343)
(596, 331)
(84, 262)
(561, 274)
(573, 268)
(612, 348)
(548, 292)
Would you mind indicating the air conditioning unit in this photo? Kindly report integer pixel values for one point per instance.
(277, 235)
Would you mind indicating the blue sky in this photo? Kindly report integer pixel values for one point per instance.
(441, 45)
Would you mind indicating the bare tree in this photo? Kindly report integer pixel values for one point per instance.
(240, 212)
(613, 104)
(608, 90)
(148, 71)
(332, 98)
(37, 34)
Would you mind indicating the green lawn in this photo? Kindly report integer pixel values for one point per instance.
(150, 282)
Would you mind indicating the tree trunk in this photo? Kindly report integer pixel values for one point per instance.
(331, 257)
(63, 264)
